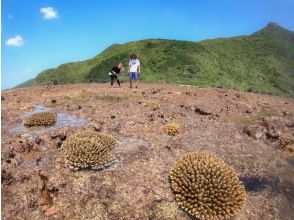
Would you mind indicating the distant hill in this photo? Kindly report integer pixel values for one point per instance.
(263, 61)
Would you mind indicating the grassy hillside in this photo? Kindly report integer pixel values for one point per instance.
(263, 60)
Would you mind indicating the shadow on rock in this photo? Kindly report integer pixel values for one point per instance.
(256, 184)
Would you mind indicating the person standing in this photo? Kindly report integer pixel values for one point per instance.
(134, 70)
(113, 74)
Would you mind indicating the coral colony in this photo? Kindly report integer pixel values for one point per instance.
(171, 129)
(206, 187)
(46, 119)
(286, 142)
(88, 150)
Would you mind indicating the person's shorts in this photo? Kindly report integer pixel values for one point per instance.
(133, 76)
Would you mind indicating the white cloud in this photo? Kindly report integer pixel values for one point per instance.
(16, 41)
(49, 13)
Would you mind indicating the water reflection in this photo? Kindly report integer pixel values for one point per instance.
(62, 120)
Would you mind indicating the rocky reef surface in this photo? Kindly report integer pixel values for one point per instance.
(253, 133)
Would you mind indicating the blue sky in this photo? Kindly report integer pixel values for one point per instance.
(37, 35)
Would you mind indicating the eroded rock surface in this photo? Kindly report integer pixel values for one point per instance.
(37, 183)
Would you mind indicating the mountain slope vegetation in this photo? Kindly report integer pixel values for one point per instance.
(263, 61)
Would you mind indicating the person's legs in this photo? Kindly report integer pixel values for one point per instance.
(131, 82)
(117, 80)
(111, 80)
(135, 83)
(136, 76)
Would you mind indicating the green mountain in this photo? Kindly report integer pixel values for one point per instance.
(263, 61)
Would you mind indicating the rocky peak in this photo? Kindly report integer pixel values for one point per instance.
(273, 25)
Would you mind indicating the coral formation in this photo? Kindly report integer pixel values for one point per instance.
(172, 129)
(206, 187)
(150, 103)
(286, 142)
(46, 119)
(26, 107)
(88, 150)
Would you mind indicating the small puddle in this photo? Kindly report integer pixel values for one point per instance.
(131, 144)
(62, 120)
(38, 108)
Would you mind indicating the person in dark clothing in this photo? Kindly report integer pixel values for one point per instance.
(114, 72)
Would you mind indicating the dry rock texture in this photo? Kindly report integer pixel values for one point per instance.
(88, 150)
(37, 184)
(46, 119)
(206, 187)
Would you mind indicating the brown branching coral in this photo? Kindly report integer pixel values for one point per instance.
(206, 187)
(88, 150)
(171, 129)
(286, 142)
(46, 119)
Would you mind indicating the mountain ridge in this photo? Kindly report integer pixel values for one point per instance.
(262, 60)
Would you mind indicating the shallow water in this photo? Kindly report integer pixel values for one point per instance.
(38, 108)
(62, 120)
(131, 144)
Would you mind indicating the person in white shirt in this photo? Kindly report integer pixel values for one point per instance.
(134, 70)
